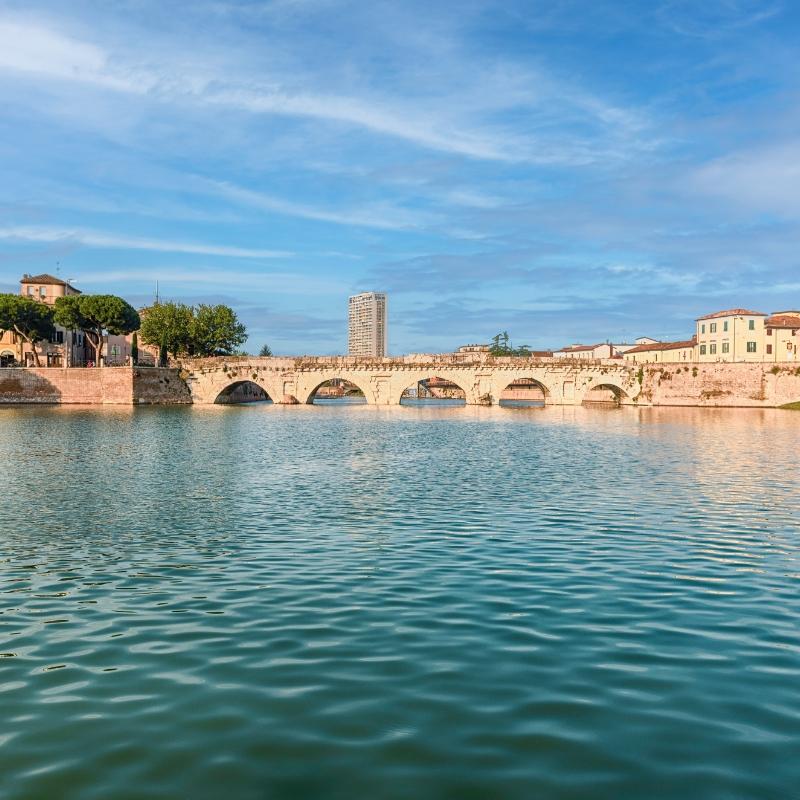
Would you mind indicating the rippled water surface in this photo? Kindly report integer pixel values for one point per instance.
(261, 602)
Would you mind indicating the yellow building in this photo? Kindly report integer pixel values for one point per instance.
(733, 335)
(782, 336)
(66, 346)
(9, 348)
(662, 352)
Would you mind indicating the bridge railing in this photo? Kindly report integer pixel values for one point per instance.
(411, 360)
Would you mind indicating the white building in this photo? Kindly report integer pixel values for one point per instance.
(367, 333)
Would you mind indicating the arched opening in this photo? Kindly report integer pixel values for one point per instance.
(605, 395)
(7, 358)
(434, 391)
(337, 392)
(242, 392)
(523, 393)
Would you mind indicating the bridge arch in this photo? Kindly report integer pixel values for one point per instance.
(605, 392)
(525, 384)
(311, 393)
(412, 380)
(240, 390)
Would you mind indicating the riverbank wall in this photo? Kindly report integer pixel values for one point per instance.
(719, 385)
(82, 386)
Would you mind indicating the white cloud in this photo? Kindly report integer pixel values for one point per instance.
(380, 215)
(764, 180)
(99, 239)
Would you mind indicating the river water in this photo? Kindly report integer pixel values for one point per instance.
(347, 601)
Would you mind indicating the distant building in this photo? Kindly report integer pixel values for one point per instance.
(664, 352)
(586, 352)
(473, 348)
(66, 348)
(367, 333)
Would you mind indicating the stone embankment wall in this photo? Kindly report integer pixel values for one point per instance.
(157, 386)
(106, 386)
(732, 385)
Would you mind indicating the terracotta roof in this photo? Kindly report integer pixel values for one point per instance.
(44, 279)
(649, 348)
(579, 347)
(734, 312)
(784, 320)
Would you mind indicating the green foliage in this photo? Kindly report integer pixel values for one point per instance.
(96, 314)
(168, 327)
(216, 331)
(29, 319)
(265, 351)
(135, 348)
(501, 346)
(179, 330)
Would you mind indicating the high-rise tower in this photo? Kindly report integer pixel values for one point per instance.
(367, 333)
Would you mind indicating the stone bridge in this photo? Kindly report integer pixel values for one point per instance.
(383, 381)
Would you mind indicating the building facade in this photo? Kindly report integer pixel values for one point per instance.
(733, 335)
(66, 348)
(367, 333)
(663, 352)
(782, 336)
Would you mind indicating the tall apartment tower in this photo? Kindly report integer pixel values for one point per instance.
(367, 328)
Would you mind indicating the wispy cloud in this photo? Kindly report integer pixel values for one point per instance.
(98, 239)
(380, 215)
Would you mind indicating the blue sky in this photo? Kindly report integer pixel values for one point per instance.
(568, 171)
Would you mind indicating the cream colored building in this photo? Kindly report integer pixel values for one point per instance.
(663, 352)
(367, 333)
(782, 336)
(733, 335)
(67, 348)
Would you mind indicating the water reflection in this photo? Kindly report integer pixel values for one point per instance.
(436, 601)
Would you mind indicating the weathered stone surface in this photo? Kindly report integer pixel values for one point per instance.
(106, 386)
(289, 380)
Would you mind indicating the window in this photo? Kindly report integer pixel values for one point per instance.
(702, 329)
(713, 348)
(769, 349)
(713, 327)
(751, 346)
(30, 291)
(42, 291)
(702, 349)
(726, 347)
(769, 331)
(789, 346)
(751, 325)
(725, 325)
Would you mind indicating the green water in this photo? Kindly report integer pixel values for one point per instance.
(418, 602)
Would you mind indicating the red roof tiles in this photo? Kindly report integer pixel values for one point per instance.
(734, 312)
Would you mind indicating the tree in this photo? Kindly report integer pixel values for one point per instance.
(135, 348)
(215, 331)
(30, 320)
(167, 326)
(265, 351)
(500, 345)
(96, 314)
